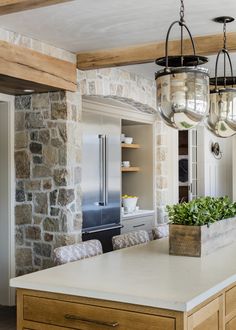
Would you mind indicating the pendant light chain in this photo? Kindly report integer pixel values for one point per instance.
(181, 12)
(224, 31)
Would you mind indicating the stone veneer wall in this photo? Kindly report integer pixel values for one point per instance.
(162, 184)
(47, 163)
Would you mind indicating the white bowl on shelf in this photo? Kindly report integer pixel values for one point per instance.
(129, 204)
(128, 140)
(125, 163)
(122, 138)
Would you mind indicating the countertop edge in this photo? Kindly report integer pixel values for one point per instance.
(176, 306)
(209, 293)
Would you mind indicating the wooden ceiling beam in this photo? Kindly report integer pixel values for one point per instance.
(147, 53)
(13, 6)
(35, 68)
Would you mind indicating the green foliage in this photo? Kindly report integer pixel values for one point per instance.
(201, 211)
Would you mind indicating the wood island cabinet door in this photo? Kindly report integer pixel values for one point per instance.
(230, 309)
(209, 317)
(231, 325)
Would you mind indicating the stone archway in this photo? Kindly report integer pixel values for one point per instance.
(120, 85)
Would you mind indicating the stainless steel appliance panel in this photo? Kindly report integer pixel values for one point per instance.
(91, 171)
(111, 209)
(101, 177)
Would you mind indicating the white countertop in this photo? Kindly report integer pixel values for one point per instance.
(144, 275)
(137, 214)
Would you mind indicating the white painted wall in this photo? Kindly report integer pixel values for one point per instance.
(215, 175)
(7, 267)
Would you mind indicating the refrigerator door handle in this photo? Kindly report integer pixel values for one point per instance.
(102, 170)
(103, 229)
(106, 170)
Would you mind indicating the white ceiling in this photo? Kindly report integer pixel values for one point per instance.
(83, 25)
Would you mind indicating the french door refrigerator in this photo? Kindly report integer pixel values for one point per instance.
(101, 178)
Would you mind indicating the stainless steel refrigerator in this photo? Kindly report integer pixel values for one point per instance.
(101, 177)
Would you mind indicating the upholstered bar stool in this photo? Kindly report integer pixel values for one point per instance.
(160, 231)
(69, 253)
(130, 239)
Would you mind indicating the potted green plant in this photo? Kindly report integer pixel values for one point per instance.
(201, 226)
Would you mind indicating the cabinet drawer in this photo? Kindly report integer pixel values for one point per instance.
(230, 302)
(142, 223)
(89, 317)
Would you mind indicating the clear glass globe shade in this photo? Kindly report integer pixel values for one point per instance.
(222, 115)
(183, 96)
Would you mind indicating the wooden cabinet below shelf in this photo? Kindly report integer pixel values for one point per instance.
(130, 169)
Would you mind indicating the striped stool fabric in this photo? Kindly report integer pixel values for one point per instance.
(160, 231)
(69, 253)
(130, 239)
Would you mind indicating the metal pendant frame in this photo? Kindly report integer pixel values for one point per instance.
(222, 113)
(185, 70)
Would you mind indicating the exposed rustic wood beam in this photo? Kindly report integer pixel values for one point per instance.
(146, 53)
(31, 66)
(13, 6)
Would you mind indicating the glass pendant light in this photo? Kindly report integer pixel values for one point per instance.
(182, 86)
(222, 115)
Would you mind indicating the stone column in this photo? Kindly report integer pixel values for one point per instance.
(47, 162)
(161, 171)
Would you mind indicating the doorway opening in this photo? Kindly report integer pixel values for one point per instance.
(188, 165)
(7, 225)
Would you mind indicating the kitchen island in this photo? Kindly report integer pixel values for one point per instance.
(142, 287)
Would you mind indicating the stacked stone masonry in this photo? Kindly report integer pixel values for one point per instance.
(47, 162)
(48, 158)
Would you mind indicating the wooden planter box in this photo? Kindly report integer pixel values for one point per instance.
(197, 241)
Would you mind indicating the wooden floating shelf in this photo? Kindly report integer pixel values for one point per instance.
(130, 146)
(130, 169)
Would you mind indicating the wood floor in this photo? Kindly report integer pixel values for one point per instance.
(7, 318)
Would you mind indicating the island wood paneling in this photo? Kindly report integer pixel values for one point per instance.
(34, 70)
(46, 311)
(147, 53)
(231, 325)
(13, 6)
(210, 316)
(230, 305)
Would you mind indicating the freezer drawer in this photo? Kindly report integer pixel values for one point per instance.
(104, 236)
(141, 223)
